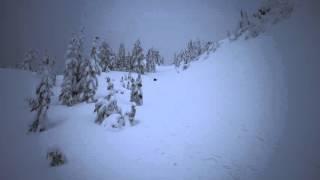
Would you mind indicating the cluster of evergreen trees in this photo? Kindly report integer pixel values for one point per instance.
(80, 74)
(270, 12)
(33, 62)
(192, 52)
(109, 105)
(134, 61)
(79, 79)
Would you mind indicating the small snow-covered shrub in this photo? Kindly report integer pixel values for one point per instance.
(132, 115)
(136, 91)
(120, 121)
(56, 157)
(128, 116)
(104, 108)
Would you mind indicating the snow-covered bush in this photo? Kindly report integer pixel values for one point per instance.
(136, 95)
(56, 157)
(110, 89)
(40, 104)
(104, 108)
(121, 122)
(131, 115)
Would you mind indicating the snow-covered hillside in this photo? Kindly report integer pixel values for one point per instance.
(226, 117)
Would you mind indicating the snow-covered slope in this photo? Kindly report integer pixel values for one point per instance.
(229, 116)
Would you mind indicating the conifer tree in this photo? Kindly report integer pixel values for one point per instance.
(136, 95)
(107, 106)
(94, 57)
(89, 81)
(110, 89)
(40, 104)
(46, 69)
(152, 58)
(30, 61)
(105, 56)
(121, 58)
(138, 58)
(70, 90)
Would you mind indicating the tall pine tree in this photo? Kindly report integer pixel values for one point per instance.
(70, 90)
(105, 56)
(94, 57)
(121, 58)
(138, 58)
(89, 81)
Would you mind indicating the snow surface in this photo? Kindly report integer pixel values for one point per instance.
(226, 117)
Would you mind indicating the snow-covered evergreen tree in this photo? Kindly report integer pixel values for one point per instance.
(70, 90)
(132, 115)
(46, 69)
(89, 81)
(152, 58)
(113, 61)
(30, 62)
(121, 58)
(40, 104)
(210, 46)
(94, 57)
(138, 58)
(136, 95)
(176, 60)
(129, 63)
(110, 89)
(121, 122)
(105, 56)
(271, 12)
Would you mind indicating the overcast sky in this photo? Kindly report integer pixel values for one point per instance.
(164, 24)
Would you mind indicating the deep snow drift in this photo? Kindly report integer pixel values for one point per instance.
(226, 117)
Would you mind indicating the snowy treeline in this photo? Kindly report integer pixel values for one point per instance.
(30, 61)
(192, 52)
(134, 61)
(270, 12)
(33, 62)
(80, 74)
